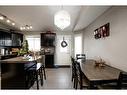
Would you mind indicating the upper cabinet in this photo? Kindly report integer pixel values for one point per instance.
(17, 39)
(10, 39)
(5, 38)
(48, 39)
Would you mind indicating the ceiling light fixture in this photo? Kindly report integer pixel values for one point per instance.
(26, 27)
(62, 19)
(1, 18)
(13, 23)
(6, 19)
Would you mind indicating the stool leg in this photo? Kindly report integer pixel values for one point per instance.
(74, 86)
(36, 75)
(72, 77)
(44, 72)
(41, 76)
(76, 83)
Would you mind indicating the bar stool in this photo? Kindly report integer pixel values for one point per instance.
(42, 62)
(43, 66)
(32, 71)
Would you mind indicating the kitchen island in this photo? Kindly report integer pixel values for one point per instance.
(13, 73)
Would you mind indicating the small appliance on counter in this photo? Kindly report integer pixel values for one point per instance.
(2, 51)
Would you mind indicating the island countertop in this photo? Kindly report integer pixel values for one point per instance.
(20, 59)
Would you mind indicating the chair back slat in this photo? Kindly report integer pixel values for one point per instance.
(122, 82)
(80, 56)
(78, 71)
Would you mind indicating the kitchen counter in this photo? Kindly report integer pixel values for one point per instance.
(20, 60)
(2, 57)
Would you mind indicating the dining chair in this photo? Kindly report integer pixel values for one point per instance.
(73, 71)
(120, 84)
(80, 56)
(80, 78)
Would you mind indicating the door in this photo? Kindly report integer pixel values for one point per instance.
(63, 53)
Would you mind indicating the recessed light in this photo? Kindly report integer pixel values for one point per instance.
(28, 27)
(31, 27)
(1, 18)
(13, 23)
(8, 21)
(21, 28)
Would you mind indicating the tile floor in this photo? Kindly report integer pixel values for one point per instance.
(57, 78)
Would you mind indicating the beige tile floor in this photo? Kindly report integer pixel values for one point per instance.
(57, 78)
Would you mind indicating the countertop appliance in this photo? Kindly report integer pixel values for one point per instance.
(2, 51)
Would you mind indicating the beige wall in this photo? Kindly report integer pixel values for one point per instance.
(112, 49)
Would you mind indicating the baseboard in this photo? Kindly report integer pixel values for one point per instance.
(62, 66)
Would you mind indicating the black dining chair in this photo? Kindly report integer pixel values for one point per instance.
(122, 81)
(80, 56)
(73, 71)
(120, 84)
(80, 78)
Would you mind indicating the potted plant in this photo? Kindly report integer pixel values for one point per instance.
(24, 50)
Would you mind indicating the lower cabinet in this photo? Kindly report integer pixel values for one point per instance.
(12, 76)
(49, 61)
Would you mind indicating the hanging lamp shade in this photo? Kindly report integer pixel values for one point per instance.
(62, 19)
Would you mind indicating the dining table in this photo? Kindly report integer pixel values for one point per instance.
(97, 75)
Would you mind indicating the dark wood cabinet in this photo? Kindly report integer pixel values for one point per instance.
(49, 61)
(5, 38)
(17, 39)
(8, 38)
(48, 39)
(48, 44)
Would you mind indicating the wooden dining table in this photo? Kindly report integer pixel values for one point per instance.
(98, 75)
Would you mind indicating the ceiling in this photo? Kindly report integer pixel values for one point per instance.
(42, 17)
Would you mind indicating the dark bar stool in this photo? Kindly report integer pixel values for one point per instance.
(32, 71)
(43, 66)
(42, 62)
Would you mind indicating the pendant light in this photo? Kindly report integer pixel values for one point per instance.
(62, 19)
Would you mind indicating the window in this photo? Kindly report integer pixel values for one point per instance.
(33, 42)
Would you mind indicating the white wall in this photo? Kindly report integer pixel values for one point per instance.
(112, 49)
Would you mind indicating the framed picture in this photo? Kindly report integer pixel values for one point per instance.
(102, 31)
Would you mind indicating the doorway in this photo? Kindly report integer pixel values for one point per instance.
(63, 53)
